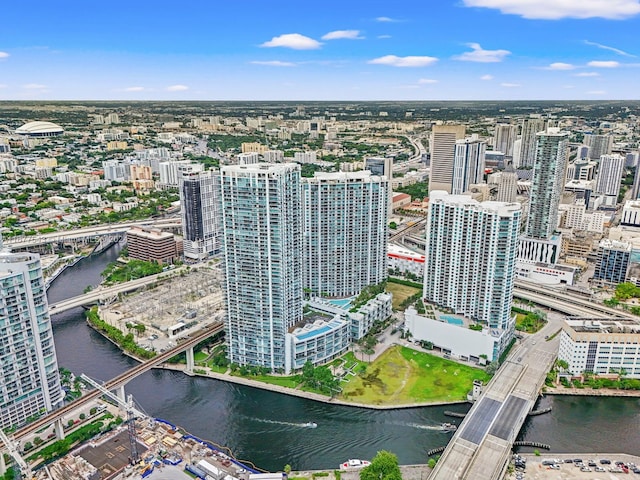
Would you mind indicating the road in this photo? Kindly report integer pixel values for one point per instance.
(68, 235)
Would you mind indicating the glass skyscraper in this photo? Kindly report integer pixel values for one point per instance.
(262, 222)
(28, 365)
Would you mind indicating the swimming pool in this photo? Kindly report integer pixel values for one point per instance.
(343, 303)
(452, 320)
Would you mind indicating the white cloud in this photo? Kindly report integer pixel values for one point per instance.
(2, 85)
(604, 64)
(343, 35)
(384, 36)
(509, 85)
(587, 74)
(611, 49)
(273, 63)
(293, 40)
(410, 61)
(486, 77)
(177, 88)
(560, 66)
(34, 86)
(427, 81)
(134, 89)
(477, 54)
(554, 9)
(4, 54)
(597, 92)
(386, 20)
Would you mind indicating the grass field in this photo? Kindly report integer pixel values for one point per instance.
(291, 382)
(403, 376)
(400, 293)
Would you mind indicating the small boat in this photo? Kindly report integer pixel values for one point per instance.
(354, 463)
(310, 425)
(448, 427)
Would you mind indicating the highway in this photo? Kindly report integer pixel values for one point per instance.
(69, 235)
(107, 292)
(120, 380)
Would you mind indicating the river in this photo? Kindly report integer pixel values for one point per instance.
(268, 428)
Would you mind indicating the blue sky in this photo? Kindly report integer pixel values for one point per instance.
(326, 50)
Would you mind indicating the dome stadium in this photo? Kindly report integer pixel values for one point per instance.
(40, 129)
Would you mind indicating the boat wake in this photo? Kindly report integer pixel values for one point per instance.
(436, 428)
(289, 424)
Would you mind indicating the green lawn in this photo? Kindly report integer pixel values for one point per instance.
(200, 357)
(402, 376)
(400, 293)
(291, 382)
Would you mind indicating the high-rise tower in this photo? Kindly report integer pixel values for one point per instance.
(442, 147)
(30, 379)
(200, 201)
(547, 183)
(504, 138)
(262, 234)
(470, 257)
(530, 127)
(468, 164)
(345, 232)
(610, 173)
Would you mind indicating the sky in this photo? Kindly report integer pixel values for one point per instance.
(320, 50)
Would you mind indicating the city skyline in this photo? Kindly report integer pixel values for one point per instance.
(457, 50)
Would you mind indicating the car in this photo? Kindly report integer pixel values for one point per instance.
(568, 460)
(605, 461)
(599, 469)
(585, 469)
(591, 463)
(555, 466)
(577, 460)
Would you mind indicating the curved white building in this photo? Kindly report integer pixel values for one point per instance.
(40, 129)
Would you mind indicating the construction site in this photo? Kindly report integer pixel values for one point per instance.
(158, 316)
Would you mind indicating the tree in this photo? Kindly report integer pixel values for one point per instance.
(287, 469)
(384, 466)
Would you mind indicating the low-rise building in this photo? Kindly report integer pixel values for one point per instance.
(151, 245)
(601, 346)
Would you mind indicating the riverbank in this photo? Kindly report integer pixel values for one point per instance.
(591, 392)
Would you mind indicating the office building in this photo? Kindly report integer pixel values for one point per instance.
(442, 146)
(547, 183)
(598, 145)
(115, 171)
(612, 263)
(468, 164)
(507, 185)
(150, 244)
(345, 232)
(470, 257)
(382, 167)
(601, 346)
(200, 209)
(30, 380)
(505, 136)
(248, 158)
(170, 171)
(610, 174)
(262, 226)
(530, 127)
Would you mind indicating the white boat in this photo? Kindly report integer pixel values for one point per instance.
(354, 463)
(310, 425)
(448, 427)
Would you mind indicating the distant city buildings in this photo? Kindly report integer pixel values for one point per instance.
(610, 174)
(468, 164)
(527, 153)
(30, 380)
(599, 145)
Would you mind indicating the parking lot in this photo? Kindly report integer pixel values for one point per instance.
(564, 466)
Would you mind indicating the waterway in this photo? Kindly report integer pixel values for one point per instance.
(268, 428)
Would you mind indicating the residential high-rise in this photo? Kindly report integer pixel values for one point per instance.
(382, 167)
(505, 136)
(200, 202)
(262, 226)
(598, 145)
(470, 257)
(442, 146)
(468, 164)
(610, 175)
(345, 232)
(530, 127)
(547, 183)
(30, 379)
